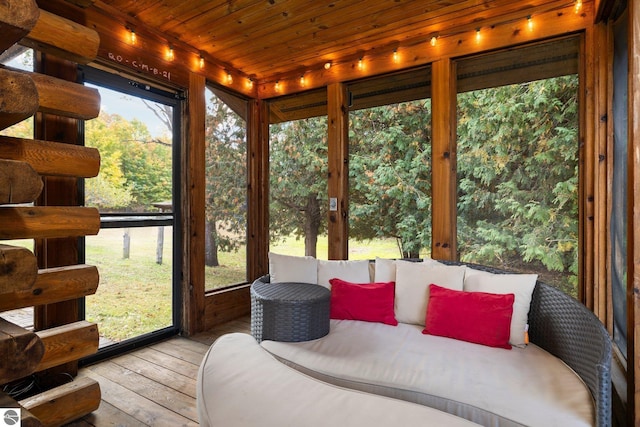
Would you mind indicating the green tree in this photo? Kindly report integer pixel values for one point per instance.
(135, 169)
(226, 184)
(390, 175)
(518, 174)
(298, 161)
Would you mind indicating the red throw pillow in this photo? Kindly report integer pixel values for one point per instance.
(476, 317)
(370, 302)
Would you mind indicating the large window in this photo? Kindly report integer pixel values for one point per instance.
(137, 250)
(298, 187)
(390, 166)
(518, 177)
(226, 190)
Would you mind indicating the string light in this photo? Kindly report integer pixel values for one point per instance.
(434, 40)
(327, 65)
(249, 84)
(170, 55)
(302, 82)
(277, 86)
(229, 78)
(201, 62)
(478, 36)
(530, 23)
(360, 64)
(578, 6)
(132, 36)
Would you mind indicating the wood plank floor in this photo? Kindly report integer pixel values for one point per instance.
(155, 385)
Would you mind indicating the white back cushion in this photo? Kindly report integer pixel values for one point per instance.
(288, 268)
(350, 271)
(521, 285)
(412, 287)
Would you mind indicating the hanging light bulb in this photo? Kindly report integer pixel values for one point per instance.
(360, 64)
(229, 78)
(132, 36)
(277, 86)
(478, 36)
(170, 55)
(578, 6)
(201, 62)
(434, 40)
(327, 65)
(302, 81)
(249, 83)
(530, 23)
(395, 55)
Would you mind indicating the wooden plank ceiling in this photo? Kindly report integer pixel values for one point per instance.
(266, 39)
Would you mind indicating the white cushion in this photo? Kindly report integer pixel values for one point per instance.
(412, 287)
(385, 270)
(241, 385)
(521, 285)
(287, 268)
(490, 386)
(350, 271)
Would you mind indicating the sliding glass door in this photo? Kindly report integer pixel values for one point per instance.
(137, 250)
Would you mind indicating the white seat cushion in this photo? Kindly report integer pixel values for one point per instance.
(241, 385)
(490, 386)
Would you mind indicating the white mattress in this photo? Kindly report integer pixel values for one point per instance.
(490, 386)
(241, 385)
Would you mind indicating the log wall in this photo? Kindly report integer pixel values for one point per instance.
(31, 172)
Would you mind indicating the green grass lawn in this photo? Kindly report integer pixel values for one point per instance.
(134, 295)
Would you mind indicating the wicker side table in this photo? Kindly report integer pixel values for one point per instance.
(289, 311)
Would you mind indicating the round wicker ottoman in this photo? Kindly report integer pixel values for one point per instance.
(289, 312)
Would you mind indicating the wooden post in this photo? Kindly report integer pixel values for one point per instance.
(159, 245)
(443, 154)
(338, 179)
(258, 191)
(126, 243)
(193, 206)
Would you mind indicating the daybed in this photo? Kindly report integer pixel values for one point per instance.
(562, 378)
(241, 385)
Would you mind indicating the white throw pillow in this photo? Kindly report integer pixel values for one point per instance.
(521, 285)
(288, 268)
(412, 287)
(349, 271)
(385, 270)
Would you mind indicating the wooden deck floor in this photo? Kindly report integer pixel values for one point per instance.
(155, 385)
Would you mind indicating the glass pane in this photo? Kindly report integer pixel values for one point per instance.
(518, 179)
(298, 187)
(134, 296)
(226, 195)
(390, 181)
(619, 187)
(134, 137)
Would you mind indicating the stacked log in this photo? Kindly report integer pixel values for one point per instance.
(23, 164)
